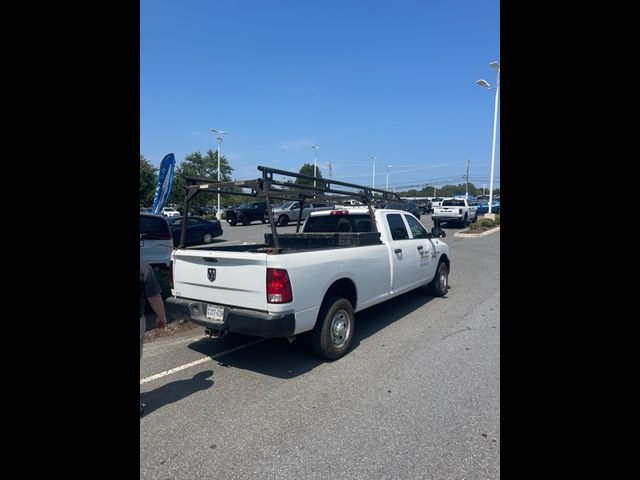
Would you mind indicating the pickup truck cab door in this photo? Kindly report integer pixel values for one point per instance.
(404, 254)
(426, 256)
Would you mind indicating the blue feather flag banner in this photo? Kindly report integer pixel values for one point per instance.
(165, 181)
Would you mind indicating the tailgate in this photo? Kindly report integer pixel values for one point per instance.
(455, 210)
(223, 278)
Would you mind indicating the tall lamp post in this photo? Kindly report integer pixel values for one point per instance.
(485, 84)
(219, 139)
(388, 167)
(315, 162)
(373, 157)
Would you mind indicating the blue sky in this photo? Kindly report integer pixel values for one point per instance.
(391, 79)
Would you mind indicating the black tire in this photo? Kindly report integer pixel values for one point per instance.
(246, 221)
(422, 211)
(207, 237)
(263, 220)
(332, 335)
(465, 222)
(439, 286)
(283, 220)
(232, 222)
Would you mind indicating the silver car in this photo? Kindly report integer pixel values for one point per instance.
(289, 211)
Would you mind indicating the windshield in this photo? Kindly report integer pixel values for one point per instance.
(285, 205)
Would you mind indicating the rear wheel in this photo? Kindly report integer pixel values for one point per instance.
(333, 333)
(232, 222)
(246, 221)
(207, 237)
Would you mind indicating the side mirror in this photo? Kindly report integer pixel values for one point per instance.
(438, 232)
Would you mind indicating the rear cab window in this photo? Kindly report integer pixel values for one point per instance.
(153, 225)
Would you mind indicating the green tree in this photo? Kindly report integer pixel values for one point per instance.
(197, 165)
(148, 181)
(308, 169)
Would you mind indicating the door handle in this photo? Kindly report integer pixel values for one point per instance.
(420, 247)
(398, 250)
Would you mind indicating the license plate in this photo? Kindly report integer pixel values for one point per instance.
(142, 243)
(215, 313)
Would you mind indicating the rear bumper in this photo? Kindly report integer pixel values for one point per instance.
(447, 218)
(236, 320)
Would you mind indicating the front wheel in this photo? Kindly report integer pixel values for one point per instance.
(232, 222)
(283, 221)
(465, 222)
(333, 333)
(440, 283)
(207, 238)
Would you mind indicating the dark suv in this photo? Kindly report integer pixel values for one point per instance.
(410, 207)
(424, 206)
(247, 213)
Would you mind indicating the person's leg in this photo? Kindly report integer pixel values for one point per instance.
(143, 327)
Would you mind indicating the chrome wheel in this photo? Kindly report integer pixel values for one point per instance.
(442, 277)
(207, 238)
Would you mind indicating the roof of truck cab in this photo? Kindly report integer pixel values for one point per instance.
(363, 210)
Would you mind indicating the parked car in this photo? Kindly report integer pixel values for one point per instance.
(156, 240)
(247, 213)
(436, 202)
(483, 207)
(289, 211)
(169, 212)
(199, 230)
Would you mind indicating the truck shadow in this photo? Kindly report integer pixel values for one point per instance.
(175, 391)
(279, 358)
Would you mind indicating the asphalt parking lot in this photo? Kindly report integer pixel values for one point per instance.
(417, 396)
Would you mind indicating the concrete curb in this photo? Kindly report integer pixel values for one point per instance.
(476, 235)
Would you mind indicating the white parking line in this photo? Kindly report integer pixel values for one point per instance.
(198, 362)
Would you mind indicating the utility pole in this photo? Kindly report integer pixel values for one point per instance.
(330, 169)
(466, 190)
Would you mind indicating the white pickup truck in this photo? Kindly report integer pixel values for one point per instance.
(455, 210)
(314, 281)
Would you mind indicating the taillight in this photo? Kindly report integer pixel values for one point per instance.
(171, 274)
(338, 212)
(278, 286)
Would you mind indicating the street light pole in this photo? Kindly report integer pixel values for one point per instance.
(388, 166)
(485, 84)
(373, 157)
(466, 188)
(315, 162)
(219, 139)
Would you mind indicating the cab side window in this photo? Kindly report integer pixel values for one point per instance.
(397, 227)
